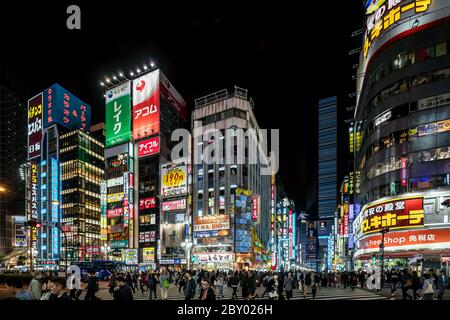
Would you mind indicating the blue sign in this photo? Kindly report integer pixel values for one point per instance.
(61, 106)
(119, 244)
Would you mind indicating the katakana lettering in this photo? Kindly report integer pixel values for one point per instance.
(408, 7)
(422, 5)
(117, 127)
(375, 33)
(392, 17)
(389, 220)
(375, 222)
(416, 216)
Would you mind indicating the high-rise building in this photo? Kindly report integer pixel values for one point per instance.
(82, 171)
(145, 222)
(13, 137)
(231, 201)
(52, 115)
(402, 122)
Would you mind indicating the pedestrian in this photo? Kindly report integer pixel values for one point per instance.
(406, 283)
(142, 282)
(251, 285)
(129, 280)
(394, 278)
(353, 281)
(164, 284)
(15, 287)
(74, 285)
(308, 283)
(428, 287)
(288, 286)
(47, 289)
(181, 282)
(313, 285)
(220, 282)
(35, 286)
(189, 287)
(92, 286)
(122, 292)
(151, 285)
(234, 284)
(59, 290)
(245, 281)
(415, 284)
(112, 283)
(442, 283)
(206, 293)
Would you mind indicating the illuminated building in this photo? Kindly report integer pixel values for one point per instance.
(13, 124)
(229, 199)
(82, 170)
(52, 114)
(403, 114)
(140, 117)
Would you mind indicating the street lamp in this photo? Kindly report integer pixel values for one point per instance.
(187, 244)
(2, 189)
(383, 232)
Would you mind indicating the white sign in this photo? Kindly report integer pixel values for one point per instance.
(115, 182)
(212, 226)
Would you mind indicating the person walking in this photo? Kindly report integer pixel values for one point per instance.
(92, 286)
(123, 292)
(353, 281)
(14, 286)
(442, 284)
(234, 284)
(181, 281)
(245, 281)
(313, 285)
(415, 284)
(428, 287)
(142, 282)
(206, 293)
(112, 283)
(189, 287)
(288, 286)
(394, 278)
(164, 284)
(35, 286)
(251, 285)
(73, 283)
(308, 283)
(220, 282)
(151, 285)
(59, 290)
(406, 283)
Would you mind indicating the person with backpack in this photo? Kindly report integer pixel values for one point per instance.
(164, 284)
(151, 285)
(428, 287)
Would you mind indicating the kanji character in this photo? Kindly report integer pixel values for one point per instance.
(393, 3)
(371, 211)
(66, 104)
(430, 237)
(422, 237)
(74, 112)
(66, 97)
(388, 207)
(400, 205)
(66, 112)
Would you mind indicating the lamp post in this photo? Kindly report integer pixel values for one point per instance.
(383, 232)
(59, 227)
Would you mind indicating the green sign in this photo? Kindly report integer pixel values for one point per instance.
(118, 115)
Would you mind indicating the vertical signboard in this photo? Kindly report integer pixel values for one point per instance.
(35, 112)
(118, 115)
(255, 209)
(55, 205)
(146, 105)
(103, 214)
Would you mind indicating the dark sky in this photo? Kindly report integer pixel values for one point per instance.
(287, 56)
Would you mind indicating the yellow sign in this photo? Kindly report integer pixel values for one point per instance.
(174, 178)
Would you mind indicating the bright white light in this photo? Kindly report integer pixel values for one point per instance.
(102, 84)
(131, 73)
(152, 64)
(108, 80)
(121, 74)
(104, 96)
(145, 67)
(138, 70)
(115, 78)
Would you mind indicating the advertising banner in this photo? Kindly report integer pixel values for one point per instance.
(174, 178)
(35, 125)
(34, 191)
(117, 244)
(147, 236)
(395, 214)
(148, 255)
(312, 241)
(131, 256)
(255, 209)
(428, 238)
(212, 226)
(118, 115)
(61, 106)
(148, 147)
(213, 257)
(243, 221)
(147, 203)
(173, 205)
(115, 197)
(146, 105)
(113, 213)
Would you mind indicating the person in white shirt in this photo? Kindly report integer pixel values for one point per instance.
(74, 285)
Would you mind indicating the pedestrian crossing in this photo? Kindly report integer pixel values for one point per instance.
(321, 294)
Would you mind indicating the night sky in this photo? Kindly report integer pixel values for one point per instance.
(288, 56)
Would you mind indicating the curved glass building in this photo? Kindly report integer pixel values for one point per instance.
(402, 132)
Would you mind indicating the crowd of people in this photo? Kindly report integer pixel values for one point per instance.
(209, 285)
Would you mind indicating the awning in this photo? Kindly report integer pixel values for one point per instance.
(15, 253)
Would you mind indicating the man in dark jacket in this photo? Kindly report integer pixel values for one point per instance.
(92, 286)
(123, 292)
(59, 290)
(206, 293)
(189, 287)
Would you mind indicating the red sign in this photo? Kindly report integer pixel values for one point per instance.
(146, 104)
(147, 203)
(406, 238)
(174, 205)
(35, 126)
(148, 147)
(393, 214)
(255, 208)
(112, 213)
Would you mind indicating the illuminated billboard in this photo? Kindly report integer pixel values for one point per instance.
(173, 205)
(118, 115)
(35, 123)
(243, 221)
(174, 178)
(148, 147)
(146, 105)
(61, 106)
